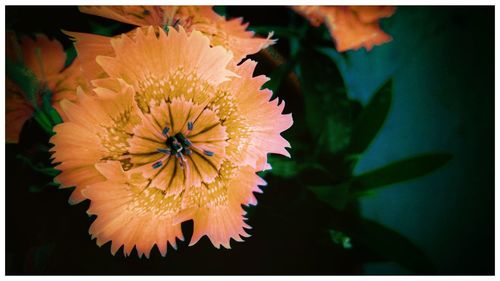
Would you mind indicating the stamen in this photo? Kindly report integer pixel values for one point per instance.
(163, 150)
(157, 165)
(174, 144)
(165, 131)
(208, 153)
(181, 159)
(182, 139)
(190, 126)
(188, 151)
(176, 22)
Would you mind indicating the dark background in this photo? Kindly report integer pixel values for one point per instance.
(442, 64)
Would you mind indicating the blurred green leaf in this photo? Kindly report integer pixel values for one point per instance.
(283, 167)
(70, 55)
(104, 30)
(340, 238)
(399, 171)
(47, 108)
(280, 73)
(221, 10)
(276, 77)
(371, 119)
(24, 78)
(328, 109)
(39, 167)
(392, 246)
(43, 113)
(335, 196)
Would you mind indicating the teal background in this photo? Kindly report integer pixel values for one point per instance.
(442, 61)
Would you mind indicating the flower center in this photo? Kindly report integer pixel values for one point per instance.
(179, 146)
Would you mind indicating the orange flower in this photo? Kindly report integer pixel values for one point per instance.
(45, 58)
(352, 27)
(231, 34)
(173, 132)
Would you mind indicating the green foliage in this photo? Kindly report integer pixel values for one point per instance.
(391, 246)
(277, 76)
(371, 119)
(70, 55)
(340, 132)
(339, 195)
(104, 30)
(38, 167)
(336, 196)
(24, 78)
(282, 167)
(35, 93)
(329, 114)
(399, 171)
(221, 10)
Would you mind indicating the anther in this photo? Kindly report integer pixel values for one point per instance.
(181, 159)
(182, 139)
(165, 131)
(190, 125)
(163, 150)
(208, 153)
(157, 165)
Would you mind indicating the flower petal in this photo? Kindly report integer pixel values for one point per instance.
(17, 112)
(131, 215)
(264, 120)
(96, 129)
(220, 216)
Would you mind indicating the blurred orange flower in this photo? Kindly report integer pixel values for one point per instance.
(352, 27)
(231, 34)
(45, 58)
(173, 132)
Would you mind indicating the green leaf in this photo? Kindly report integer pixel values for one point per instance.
(221, 10)
(48, 110)
(336, 196)
(24, 78)
(39, 167)
(283, 167)
(70, 55)
(371, 119)
(399, 171)
(392, 246)
(328, 109)
(30, 87)
(104, 30)
(279, 74)
(276, 77)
